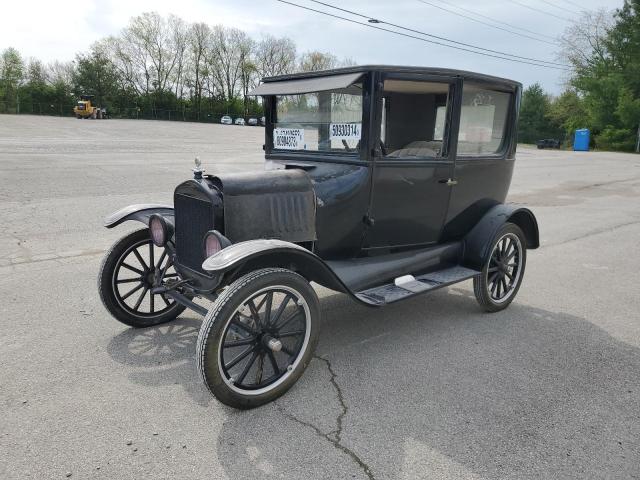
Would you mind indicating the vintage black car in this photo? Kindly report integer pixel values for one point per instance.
(381, 183)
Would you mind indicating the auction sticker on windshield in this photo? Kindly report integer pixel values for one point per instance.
(345, 131)
(288, 138)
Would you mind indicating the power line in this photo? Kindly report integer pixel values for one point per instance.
(417, 38)
(574, 4)
(557, 6)
(473, 12)
(559, 17)
(487, 24)
(371, 19)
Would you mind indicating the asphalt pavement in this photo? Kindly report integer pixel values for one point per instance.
(427, 388)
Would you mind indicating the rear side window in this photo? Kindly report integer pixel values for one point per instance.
(483, 120)
(413, 119)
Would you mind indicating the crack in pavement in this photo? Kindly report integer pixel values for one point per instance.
(52, 256)
(338, 431)
(334, 436)
(605, 184)
(592, 233)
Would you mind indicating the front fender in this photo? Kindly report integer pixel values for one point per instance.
(478, 240)
(243, 257)
(140, 212)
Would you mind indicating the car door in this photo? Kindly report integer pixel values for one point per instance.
(485, 154)
(412, 164)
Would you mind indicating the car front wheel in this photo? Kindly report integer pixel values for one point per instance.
(503, 270)
(258, 338)
(130, 272)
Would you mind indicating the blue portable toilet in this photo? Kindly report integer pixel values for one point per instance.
(581, 140)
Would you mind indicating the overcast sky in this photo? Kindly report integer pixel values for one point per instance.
(52, 30)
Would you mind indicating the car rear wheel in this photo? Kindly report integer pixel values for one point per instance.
(258, 338)
(503, 271)
(129, 272)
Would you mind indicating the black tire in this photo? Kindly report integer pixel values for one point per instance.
(227, 320)
(498, 284)
(115, 301)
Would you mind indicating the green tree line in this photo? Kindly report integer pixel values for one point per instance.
(157, 67)
(603, 87)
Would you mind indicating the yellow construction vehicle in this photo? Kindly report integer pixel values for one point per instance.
(85, 108)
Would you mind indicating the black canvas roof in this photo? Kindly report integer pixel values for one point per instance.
(395, 69)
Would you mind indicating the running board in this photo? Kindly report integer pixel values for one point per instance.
(408, 286)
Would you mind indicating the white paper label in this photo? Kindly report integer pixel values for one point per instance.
(288, 138)
(345, 131)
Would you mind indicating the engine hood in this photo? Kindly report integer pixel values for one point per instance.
(268, 204)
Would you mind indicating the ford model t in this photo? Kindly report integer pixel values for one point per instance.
(381, 183)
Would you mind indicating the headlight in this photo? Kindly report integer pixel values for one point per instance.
(161, 230)
(214, 241)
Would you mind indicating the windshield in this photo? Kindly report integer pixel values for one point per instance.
(328, 121)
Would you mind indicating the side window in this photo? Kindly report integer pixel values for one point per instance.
(483, 120)
(413, 119)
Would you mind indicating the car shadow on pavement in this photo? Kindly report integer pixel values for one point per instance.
(433, 388)
(164, 355)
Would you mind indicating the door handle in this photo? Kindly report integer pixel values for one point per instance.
(449, 181)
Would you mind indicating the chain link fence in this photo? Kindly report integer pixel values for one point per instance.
(182, 115)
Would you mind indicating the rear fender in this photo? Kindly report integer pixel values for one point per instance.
(243, 257)
(478, 240)
(139, 212)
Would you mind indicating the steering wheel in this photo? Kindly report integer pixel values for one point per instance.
(348, 148)
(383, 147)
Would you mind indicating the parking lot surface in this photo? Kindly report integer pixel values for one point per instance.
(427, 388)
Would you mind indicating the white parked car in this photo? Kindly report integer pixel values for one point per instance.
(239, 121)
(226, 120)
(252, 122)
(263, 121)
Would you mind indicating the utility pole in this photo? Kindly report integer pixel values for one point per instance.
(638, 140)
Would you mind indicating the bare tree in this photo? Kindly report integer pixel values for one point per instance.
(248, 71)
(130, 62)
(275, 56)
(60, 73)
(179, 31)
(583, 42)
(228, 51)
(199, 40)
(150, 47)
(315, 61)
(347, 62)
